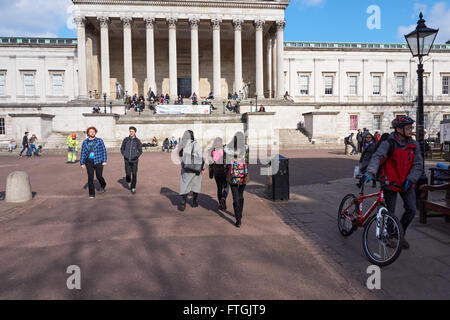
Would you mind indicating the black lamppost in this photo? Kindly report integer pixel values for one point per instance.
(420, 42)
(104, 98)
(256, 102)
(110, 106)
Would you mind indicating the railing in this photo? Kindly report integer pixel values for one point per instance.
(302, 44)
(38, 41)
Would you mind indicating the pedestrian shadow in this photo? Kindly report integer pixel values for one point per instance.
(205, 201)
(97, 186)
(123, 183)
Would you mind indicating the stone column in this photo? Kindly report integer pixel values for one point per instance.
(81, 39)
(237, 25)
(195, 74)
(217, 86)
(151, 77)
(274, 65)
(104, 35)
(127, 54)
(269, 65)
(259, 25)
(173, 77)
(280, 58)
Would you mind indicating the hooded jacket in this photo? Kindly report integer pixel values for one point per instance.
(131, 149)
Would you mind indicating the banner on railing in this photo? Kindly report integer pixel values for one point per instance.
(182, 109)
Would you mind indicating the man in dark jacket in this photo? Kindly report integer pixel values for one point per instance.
(349, 141)
(359, 139)
(24, 144)
(403, 166)
(131, 150)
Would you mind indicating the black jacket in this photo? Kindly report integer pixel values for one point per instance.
(25, 141)
(366, 156)
(131, 149)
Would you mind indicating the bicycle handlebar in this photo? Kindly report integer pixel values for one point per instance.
(383, 183)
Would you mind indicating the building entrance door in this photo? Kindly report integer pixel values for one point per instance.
(184, 87)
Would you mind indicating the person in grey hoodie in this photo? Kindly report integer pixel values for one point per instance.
(401, 162)
(131, 150)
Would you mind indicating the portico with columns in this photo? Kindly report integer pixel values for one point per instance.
(179, 47)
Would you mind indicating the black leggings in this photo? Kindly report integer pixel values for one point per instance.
(238, 200)
(222, 186)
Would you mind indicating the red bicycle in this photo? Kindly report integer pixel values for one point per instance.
(383, 232)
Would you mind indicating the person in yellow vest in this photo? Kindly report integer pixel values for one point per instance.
(72, 144)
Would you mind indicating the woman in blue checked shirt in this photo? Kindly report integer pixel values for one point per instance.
(93, 157)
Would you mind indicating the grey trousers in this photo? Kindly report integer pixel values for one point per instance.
(409, 204)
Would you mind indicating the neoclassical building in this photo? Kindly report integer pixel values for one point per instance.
(221, 46)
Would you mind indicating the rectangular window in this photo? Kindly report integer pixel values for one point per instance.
(353, 85)
(445, 81)
(425, 121)
(425, 85)
(304, 85)
(353, 122)
(446, 117)
(377, 123)
(2, 126)
(2, 84)
(329, 85)
(401, 85)
(58, 89)
(28, 82)
(376, 85)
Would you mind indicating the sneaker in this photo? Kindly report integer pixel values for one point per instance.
(91, 197)
(102, 190)
(133, 191)
(238, 224)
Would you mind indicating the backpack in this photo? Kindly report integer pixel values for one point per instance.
(238, 172)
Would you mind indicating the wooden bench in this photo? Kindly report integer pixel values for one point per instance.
(434, 148)
(443, 175)
(442, 207)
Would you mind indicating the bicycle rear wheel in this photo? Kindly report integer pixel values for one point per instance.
(384, 246)
(347, 218)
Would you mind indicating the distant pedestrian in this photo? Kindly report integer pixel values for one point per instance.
(93, 157)
(25, 144)
(218, 171)
(72, 143)
(166, 145)
(359, 140)
(237, 168)
(349, 141)
(131, 150)
(32, 150)
(192, 168)
(12, 145)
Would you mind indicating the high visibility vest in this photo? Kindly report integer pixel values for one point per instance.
(72, 143)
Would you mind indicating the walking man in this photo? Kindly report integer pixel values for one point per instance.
(131, 150)
(72, 145)
(349, 141)
(24, 143)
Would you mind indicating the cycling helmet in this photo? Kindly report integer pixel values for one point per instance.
(402, 121)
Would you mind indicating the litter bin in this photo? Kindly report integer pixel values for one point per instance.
(277, 181)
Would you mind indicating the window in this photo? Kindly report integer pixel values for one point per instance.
(353, 82)
(400, 85)
(377, 123)
(425, 121)
(28, 81)
(329, 85)
(58, 89)
(304, 84)
(445, 81)
(2, 126)
(376, 85)
(446, 117)
(353, 122)
(425, 85)
(2, 84)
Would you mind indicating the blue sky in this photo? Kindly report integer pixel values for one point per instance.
(307, 20)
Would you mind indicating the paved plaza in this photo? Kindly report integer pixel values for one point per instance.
(143, 247)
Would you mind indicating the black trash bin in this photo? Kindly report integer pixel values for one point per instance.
(278, 179)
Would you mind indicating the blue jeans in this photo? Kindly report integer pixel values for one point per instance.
(31, 149)
(23, 149)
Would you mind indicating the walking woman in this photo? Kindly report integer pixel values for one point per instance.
(93, 157)
(218, 171)
(237, 160)
(192, 168)
(32, 146)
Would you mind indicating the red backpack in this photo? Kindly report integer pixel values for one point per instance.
(397, 165)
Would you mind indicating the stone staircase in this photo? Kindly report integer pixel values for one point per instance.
(57, 140)
(292, 139)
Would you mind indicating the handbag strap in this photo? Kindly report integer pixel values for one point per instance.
(92, 148)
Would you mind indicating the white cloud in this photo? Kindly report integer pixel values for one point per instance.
(438, 17)
(33, 18)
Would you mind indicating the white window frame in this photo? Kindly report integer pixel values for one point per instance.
(3, 83)
(25, 73)
(376, 76)
(353, 87)
(403, 89)
(325, 76)
(426, 81)
(380, 122)
(446, 84)
(301, 85)
(52, 76)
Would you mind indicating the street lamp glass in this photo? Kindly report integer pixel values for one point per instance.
(421, 40)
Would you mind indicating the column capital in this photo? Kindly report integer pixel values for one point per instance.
(280, 25)
(237, 24)
(149, 22)
(215, 23)
(259, 24)
(127, 21)
(172, 22)
(80, 21)
(104, 21)
(194, 22)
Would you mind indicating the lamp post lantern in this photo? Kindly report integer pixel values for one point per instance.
(420, 42)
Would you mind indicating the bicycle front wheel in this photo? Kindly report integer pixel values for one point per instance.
(347, 218)
(382, 238)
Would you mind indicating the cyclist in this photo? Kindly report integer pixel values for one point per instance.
(400, 161)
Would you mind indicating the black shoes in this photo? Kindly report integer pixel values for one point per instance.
(102, 190)
(238, 223)
(222, 204)
(194, 204)
(133, 191)
(183, 206)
